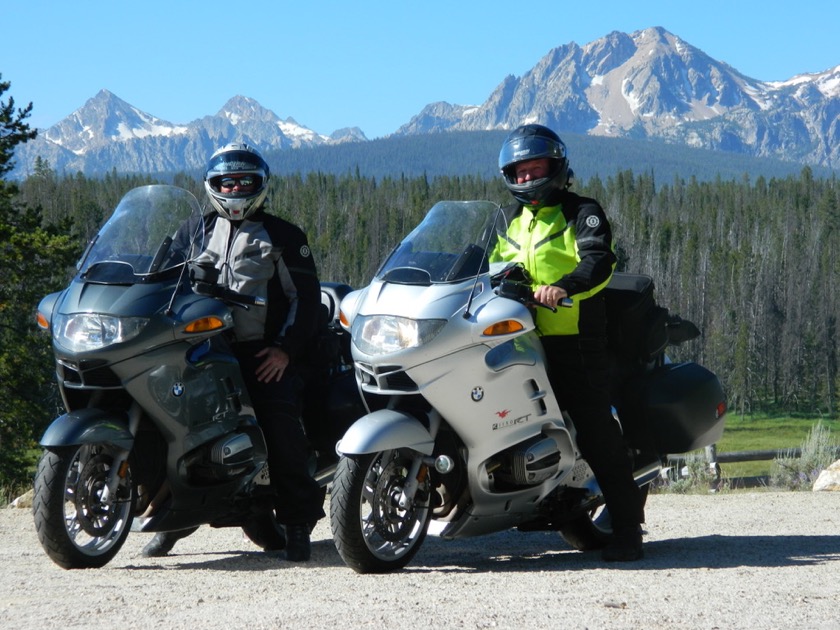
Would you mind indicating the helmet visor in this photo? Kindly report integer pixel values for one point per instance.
(530, 148)
(236, 162)
(236, 184)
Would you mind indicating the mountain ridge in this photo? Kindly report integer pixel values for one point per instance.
(649, 84)
(652, 84)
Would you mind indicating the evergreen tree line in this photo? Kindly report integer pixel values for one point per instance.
(753, 264)
(477, 152)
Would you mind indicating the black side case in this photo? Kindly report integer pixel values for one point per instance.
(684, 405)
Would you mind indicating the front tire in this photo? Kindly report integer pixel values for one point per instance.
(76, 528)
(372, 533)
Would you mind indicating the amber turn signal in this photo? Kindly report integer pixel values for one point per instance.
(504, 327)
(204, 324)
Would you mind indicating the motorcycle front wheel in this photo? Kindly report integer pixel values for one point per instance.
(77, 529)
(371, 531)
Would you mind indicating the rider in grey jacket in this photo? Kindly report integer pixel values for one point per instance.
(261, 255)
(268, 257)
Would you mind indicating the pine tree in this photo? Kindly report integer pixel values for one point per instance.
(34, 260)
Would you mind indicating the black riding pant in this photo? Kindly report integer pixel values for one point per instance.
(277, 407)
(579, 370)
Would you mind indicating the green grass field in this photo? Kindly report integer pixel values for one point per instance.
(760, 432)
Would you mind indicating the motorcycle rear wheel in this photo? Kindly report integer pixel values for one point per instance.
(265, 532)
(372, 533)
(76, 529)
(593, 529)
(588, 531)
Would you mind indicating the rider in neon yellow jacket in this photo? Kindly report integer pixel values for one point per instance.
(569, 246)
(564, 241)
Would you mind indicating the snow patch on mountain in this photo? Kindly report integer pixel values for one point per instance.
(646, 84)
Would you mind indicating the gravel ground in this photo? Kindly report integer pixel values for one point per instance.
(734, 560)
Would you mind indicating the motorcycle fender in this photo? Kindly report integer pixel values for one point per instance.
(385, 429)
(89, 426)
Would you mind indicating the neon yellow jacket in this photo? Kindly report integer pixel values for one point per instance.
(568, 245)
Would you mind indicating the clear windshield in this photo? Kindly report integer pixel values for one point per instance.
(153, 229)
(449, 245)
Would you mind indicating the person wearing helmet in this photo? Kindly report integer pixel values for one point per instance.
(261, 255)
(565, 243)
(236, 181)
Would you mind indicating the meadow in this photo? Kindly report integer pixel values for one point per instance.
(768, 432)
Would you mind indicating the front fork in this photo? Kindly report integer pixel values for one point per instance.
(420, 466)
(119, 469)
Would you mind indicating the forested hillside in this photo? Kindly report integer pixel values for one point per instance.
(467, 153)
(754, 264)
(752, 259)
(476, 153)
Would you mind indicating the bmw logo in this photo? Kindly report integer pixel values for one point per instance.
(177, 389)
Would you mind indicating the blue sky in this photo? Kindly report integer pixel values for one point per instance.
(368, 64)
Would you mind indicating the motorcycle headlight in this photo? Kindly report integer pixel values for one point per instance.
(82, 332)
(383, 334)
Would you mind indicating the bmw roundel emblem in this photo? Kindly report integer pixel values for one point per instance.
(177, 389)
(477, 394)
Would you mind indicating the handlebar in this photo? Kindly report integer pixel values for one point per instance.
(204, 278)
(521, 292)
(222, 293)
(563, 303)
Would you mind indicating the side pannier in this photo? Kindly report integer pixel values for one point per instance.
(637, 329)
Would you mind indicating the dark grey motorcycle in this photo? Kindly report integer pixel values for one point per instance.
(159, 433)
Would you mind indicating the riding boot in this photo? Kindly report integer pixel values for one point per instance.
(625, 545)
(163, 542)
(298, 548)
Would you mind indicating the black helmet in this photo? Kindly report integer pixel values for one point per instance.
(236, 159)
(532, 142)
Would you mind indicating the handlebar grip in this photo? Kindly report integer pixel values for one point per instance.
(213, 290)
(239, 298)
(566, 302)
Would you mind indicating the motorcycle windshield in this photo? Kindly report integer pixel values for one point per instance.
(450, 244)
(153, 229)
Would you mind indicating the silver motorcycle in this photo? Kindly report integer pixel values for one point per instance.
(463, 432)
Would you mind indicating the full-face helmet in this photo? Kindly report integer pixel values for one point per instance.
(236, 181)
(532, 142)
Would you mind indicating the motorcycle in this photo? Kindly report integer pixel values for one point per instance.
(467, 437)
(159, 433)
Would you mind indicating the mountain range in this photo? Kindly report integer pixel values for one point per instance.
(649, 84)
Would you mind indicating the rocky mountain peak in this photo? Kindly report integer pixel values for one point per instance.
(646, 84)
(241, 108)
(653, 84)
